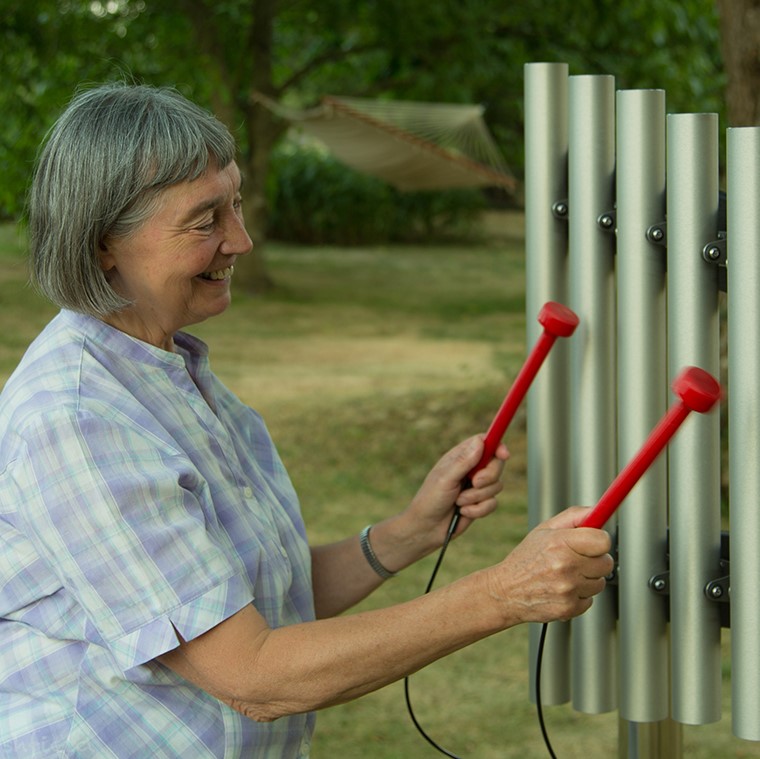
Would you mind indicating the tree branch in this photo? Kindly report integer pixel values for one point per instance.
(333, 55)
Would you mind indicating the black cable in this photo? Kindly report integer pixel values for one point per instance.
(539, 708)
(419, 727)
(539, 659)
(449, 534)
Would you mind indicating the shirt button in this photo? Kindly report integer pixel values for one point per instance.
(248, 491)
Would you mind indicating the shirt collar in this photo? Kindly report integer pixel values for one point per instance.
(191, 348)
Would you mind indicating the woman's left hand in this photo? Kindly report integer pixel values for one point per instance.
(431, 509)
(341, 574)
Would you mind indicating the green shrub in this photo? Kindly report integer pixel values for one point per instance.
(314, 199)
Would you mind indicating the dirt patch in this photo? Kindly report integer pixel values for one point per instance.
(499, 226)
(324, 369)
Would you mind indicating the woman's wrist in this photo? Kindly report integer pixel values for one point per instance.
(398, 542)
(371, 556)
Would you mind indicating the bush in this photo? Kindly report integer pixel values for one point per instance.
(314, 199)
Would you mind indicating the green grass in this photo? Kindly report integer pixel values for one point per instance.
(22, 312)
(367, 364)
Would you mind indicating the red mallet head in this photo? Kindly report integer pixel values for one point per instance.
(557, 320)
(698, 390)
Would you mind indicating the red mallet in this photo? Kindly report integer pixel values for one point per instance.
(557, 321)
(698, 391)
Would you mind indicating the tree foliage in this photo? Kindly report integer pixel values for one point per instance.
(222, 52)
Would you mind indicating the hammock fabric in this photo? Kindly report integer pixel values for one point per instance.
(412, 146)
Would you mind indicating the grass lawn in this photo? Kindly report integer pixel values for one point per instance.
(367, 364)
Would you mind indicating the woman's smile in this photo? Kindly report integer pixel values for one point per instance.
(219, 274)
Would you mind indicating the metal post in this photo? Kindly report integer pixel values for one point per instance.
(694, 456)
(649, 740)
(743, 171)
(592, 376)
(642, 400)
(546, 87)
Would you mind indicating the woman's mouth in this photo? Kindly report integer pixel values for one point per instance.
(218, 274)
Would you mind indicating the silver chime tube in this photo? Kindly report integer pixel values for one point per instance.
(743, 176)
(694, 454)
(546, 86)
(592, 376)
(642, 400)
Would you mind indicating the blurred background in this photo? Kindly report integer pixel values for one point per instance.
(256, 63)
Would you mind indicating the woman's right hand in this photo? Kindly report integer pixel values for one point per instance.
(554, 572)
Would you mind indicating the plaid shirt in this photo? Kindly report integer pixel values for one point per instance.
(136, 494)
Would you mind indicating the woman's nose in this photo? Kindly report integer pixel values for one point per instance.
(237, 241)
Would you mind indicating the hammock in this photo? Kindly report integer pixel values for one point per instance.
(412, 146)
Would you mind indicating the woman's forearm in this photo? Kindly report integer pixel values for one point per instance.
(341, 574)
(266, 674)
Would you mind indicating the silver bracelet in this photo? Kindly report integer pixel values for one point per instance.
(369, 555)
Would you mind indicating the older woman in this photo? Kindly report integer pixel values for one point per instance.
(159, 597)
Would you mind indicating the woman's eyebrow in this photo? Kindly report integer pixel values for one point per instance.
(208, 204)
(205, 205)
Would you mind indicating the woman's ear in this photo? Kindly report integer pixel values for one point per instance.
(105, 257)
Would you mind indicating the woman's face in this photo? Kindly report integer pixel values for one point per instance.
(176, 267)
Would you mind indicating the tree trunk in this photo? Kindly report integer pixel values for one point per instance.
(740, 44)
(262, 131)
(246, 72)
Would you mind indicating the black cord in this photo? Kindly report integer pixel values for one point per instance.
(539, 657)
(449, 534)
(539, 708)
(419, 727)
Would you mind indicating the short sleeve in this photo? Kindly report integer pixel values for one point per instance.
(127, 524)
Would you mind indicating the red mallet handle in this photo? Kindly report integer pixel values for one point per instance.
(557, 321)
(698, 391)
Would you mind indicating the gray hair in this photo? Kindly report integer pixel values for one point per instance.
(100, 175)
